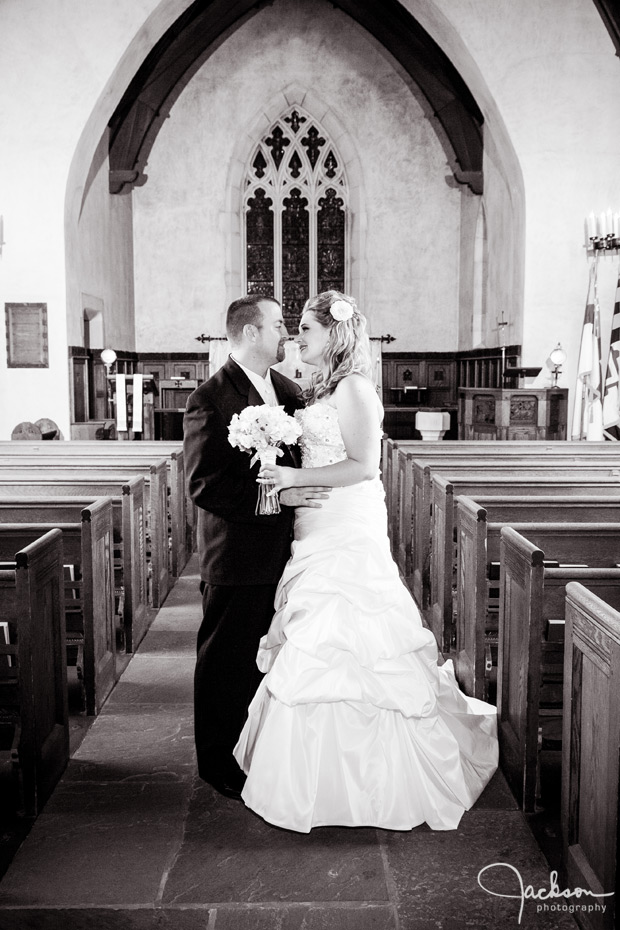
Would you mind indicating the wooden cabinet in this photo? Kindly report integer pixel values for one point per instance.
(512, 414)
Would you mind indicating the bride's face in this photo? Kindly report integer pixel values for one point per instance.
(313, 339)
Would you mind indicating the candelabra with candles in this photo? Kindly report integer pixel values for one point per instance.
(603, 232)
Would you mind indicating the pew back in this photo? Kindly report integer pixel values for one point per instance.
(591, 751)
(73, 467)
(90, 618)
(478, 551)
(182, 508)
(438, 547)
(530, 595)
(128, 510)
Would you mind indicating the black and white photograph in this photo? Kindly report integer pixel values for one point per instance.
(310, 464)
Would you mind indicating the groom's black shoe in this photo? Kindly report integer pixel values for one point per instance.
(229, 784)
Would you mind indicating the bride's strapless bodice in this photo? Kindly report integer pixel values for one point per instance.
(321, 440)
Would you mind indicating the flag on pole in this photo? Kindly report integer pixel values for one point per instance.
(588, 410)
(611, 389)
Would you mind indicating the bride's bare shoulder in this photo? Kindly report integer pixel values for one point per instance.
(354, 384)
(357, 389)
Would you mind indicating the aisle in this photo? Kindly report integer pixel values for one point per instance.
(133, 840)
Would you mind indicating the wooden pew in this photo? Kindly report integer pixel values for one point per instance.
(155, 479)
(591, 753)
(182, 508)
(444, 452)
(532, 597)
(554, 525)
(410, 519)
(34, 719)
(441, 541)
(88, 547)
(128, 510)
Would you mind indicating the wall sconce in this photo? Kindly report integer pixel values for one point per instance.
(557, 359)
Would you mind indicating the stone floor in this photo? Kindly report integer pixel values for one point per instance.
(133, 840)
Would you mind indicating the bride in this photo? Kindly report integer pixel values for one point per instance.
(355, 723)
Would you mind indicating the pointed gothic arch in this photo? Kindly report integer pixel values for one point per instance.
(295, 208)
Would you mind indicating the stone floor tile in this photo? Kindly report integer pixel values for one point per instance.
(436, 873)
(98, 845)
(145, 747)
(157, 680)
(306, 917)
(138, 710)
(104, 918)
(496, 796)
(182, 618)
(169, 642)
(230, 854)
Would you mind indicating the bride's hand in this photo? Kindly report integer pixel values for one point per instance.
(280, 475)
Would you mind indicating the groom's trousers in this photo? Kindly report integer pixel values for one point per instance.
(226, 676)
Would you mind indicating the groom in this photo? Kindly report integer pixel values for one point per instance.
(242, 556)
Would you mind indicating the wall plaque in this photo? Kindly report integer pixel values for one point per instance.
(26, 335)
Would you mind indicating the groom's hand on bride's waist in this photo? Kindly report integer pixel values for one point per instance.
(303, 497)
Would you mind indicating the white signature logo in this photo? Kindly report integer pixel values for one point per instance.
(542, 894)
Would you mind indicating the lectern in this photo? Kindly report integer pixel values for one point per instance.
(512, 413)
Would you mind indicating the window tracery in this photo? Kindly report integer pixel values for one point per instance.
(295, 202)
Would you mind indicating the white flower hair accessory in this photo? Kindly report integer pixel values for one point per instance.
(341, 310)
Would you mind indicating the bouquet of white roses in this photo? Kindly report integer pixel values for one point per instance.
(262, 429)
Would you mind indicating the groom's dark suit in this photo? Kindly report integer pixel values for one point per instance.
(242, 557)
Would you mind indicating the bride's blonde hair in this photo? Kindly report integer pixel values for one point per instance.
(348, 347)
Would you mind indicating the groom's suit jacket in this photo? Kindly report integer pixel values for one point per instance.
(235, 547)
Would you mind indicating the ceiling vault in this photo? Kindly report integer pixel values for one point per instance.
(183, 49)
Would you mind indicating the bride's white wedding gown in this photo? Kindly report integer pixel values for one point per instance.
(355, 724)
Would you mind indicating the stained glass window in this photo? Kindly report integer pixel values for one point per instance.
(295, 207)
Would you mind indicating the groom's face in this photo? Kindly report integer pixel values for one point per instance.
(272, 332)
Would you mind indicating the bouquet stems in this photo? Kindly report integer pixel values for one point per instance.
(267, 503)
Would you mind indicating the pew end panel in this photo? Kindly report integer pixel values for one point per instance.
(442, 564)
(158, 532)
(129, 512)
(532, 603)
(33, 689)
(405, 517)
(100, 668)
(470, 628)
(420, 537)
(136, 616)
(90, 622)
(591, 752)
(519, 657)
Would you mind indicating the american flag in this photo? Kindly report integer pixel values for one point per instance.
(611, 390)
(588, 410)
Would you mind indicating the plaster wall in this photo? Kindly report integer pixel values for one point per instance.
(545, 76)
(100, 261)
(55, 63)
(406, 259)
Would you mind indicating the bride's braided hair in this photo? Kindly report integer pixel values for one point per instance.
(348, 348)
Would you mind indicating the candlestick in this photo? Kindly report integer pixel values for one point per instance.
(602, 231)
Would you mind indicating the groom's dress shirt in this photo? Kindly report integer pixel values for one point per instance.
(262, 385)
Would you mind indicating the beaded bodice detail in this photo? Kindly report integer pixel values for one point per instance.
(321, 440)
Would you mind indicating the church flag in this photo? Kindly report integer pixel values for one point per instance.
(611, 389)
(588, 410)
